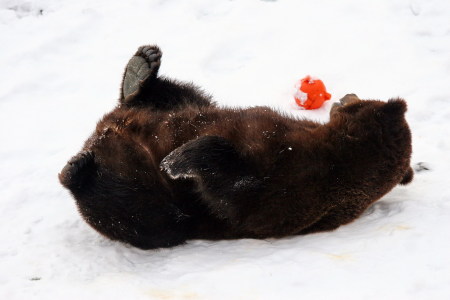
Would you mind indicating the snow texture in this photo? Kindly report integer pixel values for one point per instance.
(61, 65)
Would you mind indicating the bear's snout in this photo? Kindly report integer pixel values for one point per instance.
(74, 172)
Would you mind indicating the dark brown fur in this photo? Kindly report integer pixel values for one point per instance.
(167, 165)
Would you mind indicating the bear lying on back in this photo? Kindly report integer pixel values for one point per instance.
(168, 165)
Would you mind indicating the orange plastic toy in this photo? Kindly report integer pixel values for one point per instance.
(311, 93)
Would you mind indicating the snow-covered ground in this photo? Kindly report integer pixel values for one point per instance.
(61, 63)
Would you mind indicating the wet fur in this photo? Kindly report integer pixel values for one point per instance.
(168, 165)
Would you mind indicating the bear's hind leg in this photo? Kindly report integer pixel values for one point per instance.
(408, 177)
(339, 215)
(344, 101)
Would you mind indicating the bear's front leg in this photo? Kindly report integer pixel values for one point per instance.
(140, 71)
(224, 179)
(142, 87)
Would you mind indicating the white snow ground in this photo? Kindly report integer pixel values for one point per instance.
(61, 63)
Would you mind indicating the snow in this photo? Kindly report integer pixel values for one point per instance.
(61, 65)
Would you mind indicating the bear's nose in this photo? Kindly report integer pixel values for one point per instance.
(77, 169)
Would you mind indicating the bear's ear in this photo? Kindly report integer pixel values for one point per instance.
(395, 106)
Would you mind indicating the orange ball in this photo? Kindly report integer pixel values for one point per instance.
(311, 93)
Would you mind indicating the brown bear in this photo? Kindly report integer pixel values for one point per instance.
(168, 165)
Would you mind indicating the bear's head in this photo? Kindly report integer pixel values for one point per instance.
(112, 182)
